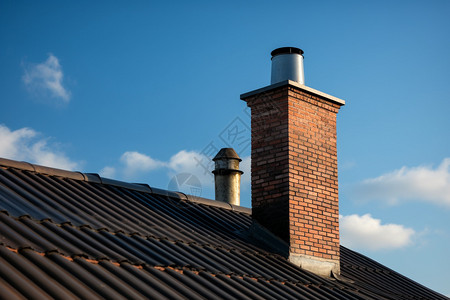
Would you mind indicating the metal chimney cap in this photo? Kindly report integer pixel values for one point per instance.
(287, 64)
(286, 50)
(227, 153)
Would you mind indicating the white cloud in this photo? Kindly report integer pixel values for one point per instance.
(192, 162)
(365, 232)
(202, 166)
(420, 183)
(108, 172)
(245, 166)
(11, 142)
(25, 144)
(185, 160)
(136, 162)
(46, 79)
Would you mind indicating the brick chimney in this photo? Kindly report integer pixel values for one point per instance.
(294, 164)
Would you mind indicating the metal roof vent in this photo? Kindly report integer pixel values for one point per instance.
(287, 64)
(227, 176)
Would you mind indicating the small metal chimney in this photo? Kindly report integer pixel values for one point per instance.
(227, 176)
(287, 64)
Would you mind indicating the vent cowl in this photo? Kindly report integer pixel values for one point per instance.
(227, 176)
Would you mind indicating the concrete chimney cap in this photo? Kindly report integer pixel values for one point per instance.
(286, 50)
(227, 153)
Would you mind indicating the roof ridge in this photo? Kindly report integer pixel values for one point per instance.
(142, 187)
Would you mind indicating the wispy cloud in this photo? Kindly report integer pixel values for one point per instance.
(184, 161)
(46, 79)
(245, 166)
(422, 183)
(134, 164)
(27, 144)
(192, 162)
(108, 172)
(367, 233)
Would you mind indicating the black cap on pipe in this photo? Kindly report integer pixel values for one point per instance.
(286, 50)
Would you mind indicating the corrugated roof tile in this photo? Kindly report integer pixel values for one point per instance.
(65, 235)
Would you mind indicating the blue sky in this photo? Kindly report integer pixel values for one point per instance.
(142, 92)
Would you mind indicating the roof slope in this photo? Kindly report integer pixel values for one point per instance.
(72, 235)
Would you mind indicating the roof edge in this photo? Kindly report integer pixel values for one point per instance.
(95, 178)
(42, 169)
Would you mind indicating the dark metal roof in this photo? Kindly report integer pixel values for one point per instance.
(73, 235)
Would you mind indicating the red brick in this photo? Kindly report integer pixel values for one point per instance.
(294, 169)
